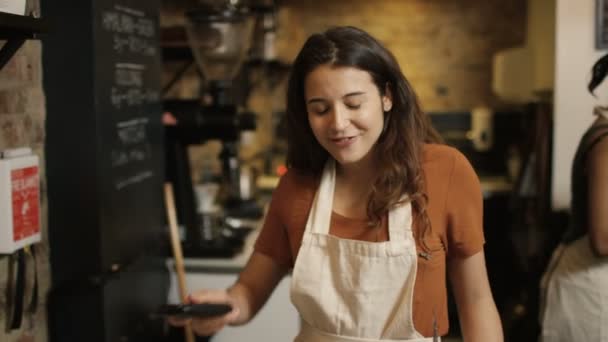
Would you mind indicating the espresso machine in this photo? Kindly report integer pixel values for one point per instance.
(219, 36)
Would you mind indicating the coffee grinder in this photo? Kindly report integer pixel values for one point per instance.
(219, 36)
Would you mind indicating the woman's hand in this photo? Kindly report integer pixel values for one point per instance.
(255, 284)
(209, 326)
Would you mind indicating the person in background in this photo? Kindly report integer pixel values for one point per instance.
(370, 214)
(575, 286)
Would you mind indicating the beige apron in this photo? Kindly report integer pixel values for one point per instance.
(348, 290)
(574, 290)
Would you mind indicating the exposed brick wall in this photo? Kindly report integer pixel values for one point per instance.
(444, 47)
(22, 115)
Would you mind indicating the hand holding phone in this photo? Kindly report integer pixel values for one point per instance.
(205, 310)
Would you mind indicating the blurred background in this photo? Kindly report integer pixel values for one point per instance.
(116, 97)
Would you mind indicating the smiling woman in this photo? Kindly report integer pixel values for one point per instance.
(346, 113)
(371, 212)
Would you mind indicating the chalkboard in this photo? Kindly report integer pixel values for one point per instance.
(128, 90)
(105, 137)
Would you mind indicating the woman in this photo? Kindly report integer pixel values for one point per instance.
(575, 286)
(369, 214)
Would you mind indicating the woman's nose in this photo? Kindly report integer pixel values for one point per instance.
(340, 119)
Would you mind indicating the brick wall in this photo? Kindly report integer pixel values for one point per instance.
(444, 47)
(22, 115)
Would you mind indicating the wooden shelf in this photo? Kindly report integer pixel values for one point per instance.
(15, 29)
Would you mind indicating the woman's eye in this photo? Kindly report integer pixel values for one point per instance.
(353, 105)
(319, 110)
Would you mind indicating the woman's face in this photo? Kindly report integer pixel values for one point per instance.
(345, 111)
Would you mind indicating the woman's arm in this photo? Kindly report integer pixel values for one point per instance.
(266, 267)
(246, 296)
(255, 284)
(597, 170)
(477, 312)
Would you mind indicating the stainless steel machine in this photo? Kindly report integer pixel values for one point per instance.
(219, 35)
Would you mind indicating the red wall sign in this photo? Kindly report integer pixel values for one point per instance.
(26, 202)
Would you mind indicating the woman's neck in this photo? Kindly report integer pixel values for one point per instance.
(355, 181)
(352, 191)
(354, 174)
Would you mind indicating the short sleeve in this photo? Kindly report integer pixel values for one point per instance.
(464, 207)
(273, 240)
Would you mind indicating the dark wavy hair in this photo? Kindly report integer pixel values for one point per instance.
(407, 128)
(598, 73)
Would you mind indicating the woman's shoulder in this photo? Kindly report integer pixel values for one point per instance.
(443, 164)
(595, 134)
(295, 181)
(444, 155)
(292, 199)
(298, 179)
(595, 144)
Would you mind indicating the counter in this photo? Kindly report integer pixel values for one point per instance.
(223, 265)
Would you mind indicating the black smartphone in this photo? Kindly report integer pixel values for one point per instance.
(206, 310)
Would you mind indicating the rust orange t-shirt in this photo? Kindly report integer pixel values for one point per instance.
(454, 208)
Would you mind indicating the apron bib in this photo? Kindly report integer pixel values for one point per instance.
(575, 295)
(348, 290)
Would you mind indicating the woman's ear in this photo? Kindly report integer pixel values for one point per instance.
(387, 98)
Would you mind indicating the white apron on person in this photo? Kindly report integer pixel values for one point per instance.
(348, 290)
(575, 295)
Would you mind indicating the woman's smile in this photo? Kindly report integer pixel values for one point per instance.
(344, 142)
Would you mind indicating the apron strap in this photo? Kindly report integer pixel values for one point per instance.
(400, 222)
(319, 218)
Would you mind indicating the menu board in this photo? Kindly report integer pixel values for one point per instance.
(129, 91)
(104, 138)
(127, 73)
